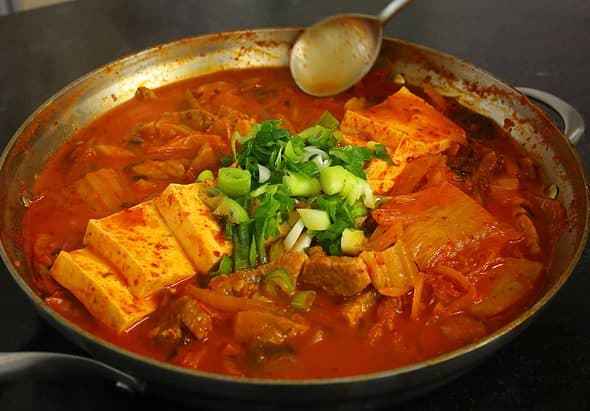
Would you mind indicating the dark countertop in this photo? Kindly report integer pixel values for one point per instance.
(535, 43)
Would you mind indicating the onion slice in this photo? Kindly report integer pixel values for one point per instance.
(263, 174)
(311, 151)
(321, 162)
(303, 242)
(293, 234)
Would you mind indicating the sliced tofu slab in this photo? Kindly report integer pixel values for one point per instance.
(140, 245)
(100, 289)
(193, 224)
(402, 178)
(408, 126)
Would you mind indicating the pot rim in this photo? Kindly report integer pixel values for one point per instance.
(86, 336)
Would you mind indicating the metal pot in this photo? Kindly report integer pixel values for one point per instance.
(84, 100)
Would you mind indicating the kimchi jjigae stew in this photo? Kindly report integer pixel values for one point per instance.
(232, 224)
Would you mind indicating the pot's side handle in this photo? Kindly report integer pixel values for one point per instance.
(572, 119)
(54, 366)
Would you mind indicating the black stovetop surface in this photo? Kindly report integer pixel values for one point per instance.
(535, 43)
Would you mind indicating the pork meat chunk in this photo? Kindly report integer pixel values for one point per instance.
(245, 283)
(359, 307)
(345, 276)
(264, 328)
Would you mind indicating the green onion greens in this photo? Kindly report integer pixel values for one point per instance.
(274, 173)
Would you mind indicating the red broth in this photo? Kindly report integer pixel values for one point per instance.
(387, 337)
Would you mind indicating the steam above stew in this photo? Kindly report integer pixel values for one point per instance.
(232, 224)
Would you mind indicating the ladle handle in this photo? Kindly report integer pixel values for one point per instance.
(54, 366)
(573, 121)
(391, 10)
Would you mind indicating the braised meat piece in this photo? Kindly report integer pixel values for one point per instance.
(344, 276)
(264, 328)
(184, 313)
(358, 307)
(245, 283)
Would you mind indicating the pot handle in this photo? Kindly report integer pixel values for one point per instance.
(572, 119)
(53, 366)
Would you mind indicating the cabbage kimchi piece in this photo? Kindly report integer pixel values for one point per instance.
(441, 225)
(408, 126)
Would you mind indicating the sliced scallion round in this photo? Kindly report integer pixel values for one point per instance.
(332, 179)
(205, 175)
(311, 151)
(300, 185)
(352, 241)
(280, 279)
(303, 300)
(235, 213)
(314, 220)
(234, 182)
(329, 121)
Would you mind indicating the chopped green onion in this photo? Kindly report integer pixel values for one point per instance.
(303, 300)
(357, 210)
(281, 279)
(338, 180)
(313, 131)
(353, 189)
(212, 197)
(241, 247)
(332, 179)
(235, 213)
(319, 136)
(213, 192)
(300, 185)
(205, 175)
(329, 121)
(228, 231)
(380, 152)
(226, 266)
(234, 182)
(294, 150)
(352, 241)
(276, 250)
(252, 254)
(261, 247)
(352, 158)
(368, 197)
(259, 191)
(312, 152)
(320, 163)
(315, 220)
(226, 160)
(234, 139)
